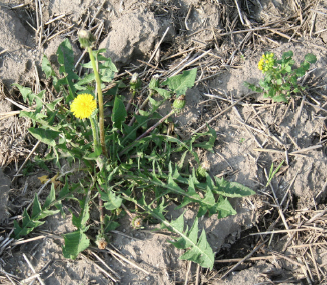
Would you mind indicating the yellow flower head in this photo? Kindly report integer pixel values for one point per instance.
(83, 106)
(266, 62)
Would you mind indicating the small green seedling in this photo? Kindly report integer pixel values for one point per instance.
(281, 79)
(272, 172)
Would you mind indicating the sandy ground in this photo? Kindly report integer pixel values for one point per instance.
(205, 34)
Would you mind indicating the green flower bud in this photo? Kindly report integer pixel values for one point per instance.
(154, 83)
(179, 103)
(86, 39)
(135, 82)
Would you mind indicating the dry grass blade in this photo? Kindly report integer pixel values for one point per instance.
(33, 270)
(222, 112)
(243, 259)
(100, 268)
(101, 260)
(113, 252)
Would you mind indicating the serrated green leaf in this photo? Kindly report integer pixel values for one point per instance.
(118, 113)
(51, 106)
(224, 208)
(37, 209)
(180, 83)
(27, 226)
(94, 155)
(112, 200)
(44, 135)
(198, 251)
(46, 213)
(204, 257)
(84, 81)
(75, 243)
(231, 189)
(26, 93)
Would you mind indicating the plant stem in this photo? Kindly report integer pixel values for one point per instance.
(100, 100)
(141, 108)
(101, 215)
(94, 133)
(130, 101)
(148, 131)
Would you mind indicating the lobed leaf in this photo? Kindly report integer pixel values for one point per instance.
(75, 243)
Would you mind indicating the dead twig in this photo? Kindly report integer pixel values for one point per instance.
(222, 112)
(32, 268)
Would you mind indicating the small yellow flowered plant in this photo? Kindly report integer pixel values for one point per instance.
(280, 76)
(83, 106)
(266, 62)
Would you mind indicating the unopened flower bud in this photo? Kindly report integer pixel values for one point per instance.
(86, 39)
(135, 82)
(179, 103)
(154, 83)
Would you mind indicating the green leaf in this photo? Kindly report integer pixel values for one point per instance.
(51, 197)
(231, 189)
(224, 208)
(311, 58)
(300, 71)
(112, 200)
(272, 92)
(279, 82)
(201, 254)
(280, 98)
(47, 68)
(118, 113)
(44, 135)
(65, 56)
(163, 92)
(75, 243)
(109, 225)
(306, 65)
(253, 87)
(94, 155)
(180, 83)
(288, 68)
(37, 209)
(81, 220)
(287, 54)
(197, 250)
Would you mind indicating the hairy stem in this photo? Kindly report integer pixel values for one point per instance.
(100, 98)
(94, 133)
(101, 215)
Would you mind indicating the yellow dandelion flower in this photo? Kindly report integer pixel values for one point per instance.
(83, 106)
